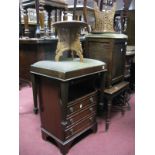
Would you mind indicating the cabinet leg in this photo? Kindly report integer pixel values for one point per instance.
(44, 136)
(94, 128)
(108, 114)
(123, 112)
(64, 148)
(35, 110)
(34, 89)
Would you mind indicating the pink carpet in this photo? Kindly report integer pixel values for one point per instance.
(119, 140)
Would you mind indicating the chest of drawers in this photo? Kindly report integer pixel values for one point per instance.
(68, 96)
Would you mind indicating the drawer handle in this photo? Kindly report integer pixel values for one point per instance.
(91, 109)
(71, 109)
(81, 106)
(91, 100)
(91, 119)
(71, 120)
(72, 131)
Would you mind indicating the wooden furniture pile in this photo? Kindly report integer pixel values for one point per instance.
(68, 92)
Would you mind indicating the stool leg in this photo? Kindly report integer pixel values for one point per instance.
(109, 104)
(122, 108)
(127, 98)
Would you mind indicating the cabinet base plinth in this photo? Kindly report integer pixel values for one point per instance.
(64, 146)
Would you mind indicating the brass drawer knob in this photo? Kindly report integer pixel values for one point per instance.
(91, 109)
(91, 119)
(81, 106)
(71, 131)
(91, 100)
(71, 120)
(71, 109)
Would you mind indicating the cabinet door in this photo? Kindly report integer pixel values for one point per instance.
(118, 61)
(99, 49)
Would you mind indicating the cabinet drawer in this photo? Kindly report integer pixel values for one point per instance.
(79, 126)
(82, 103)
(81, 115)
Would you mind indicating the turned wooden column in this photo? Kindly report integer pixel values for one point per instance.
(65, 16)
(108, 115)
(37, 15)
(41, 20)
(20, 24)
(74, 10)
(26, 24)
(60, 14)
(49, 22)
(56, 14)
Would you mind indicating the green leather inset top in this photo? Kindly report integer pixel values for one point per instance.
(68, 68)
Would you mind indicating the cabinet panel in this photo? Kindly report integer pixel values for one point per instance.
(50, 109)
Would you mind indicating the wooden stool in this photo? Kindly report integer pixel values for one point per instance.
(115, 91)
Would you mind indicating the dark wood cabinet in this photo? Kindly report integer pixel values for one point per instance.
(109, 48)
(68, 96)
(33, 50)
